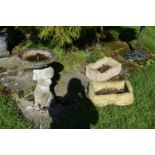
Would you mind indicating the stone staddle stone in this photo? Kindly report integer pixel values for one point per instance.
(93, 74)
(120, 99)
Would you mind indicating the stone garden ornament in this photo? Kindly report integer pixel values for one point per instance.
(111, 68)
(102, 91)
(42, 93)
(111, 92)
(39, 60)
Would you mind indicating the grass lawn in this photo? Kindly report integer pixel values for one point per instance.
(10, 115)
(148, 39)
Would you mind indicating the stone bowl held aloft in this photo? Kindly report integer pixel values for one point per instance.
(37, 58)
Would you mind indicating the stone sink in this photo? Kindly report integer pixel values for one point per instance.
(103, 69)
(111, 92)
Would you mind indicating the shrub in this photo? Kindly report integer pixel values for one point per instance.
(55, 35)
(63, 35)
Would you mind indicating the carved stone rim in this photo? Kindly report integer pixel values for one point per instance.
(51, 57)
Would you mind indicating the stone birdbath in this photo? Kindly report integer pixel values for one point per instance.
(39, 60)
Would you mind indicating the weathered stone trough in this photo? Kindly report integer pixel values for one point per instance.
(103, 69)
(111, 92)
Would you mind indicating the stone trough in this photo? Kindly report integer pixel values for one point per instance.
(103, 70)
(111, 92)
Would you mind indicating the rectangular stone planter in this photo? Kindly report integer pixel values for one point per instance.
(111, 92)
(113, 68)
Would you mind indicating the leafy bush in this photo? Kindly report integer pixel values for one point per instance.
(63, 35)
(55, 35)
(98, 52)
(60, 35)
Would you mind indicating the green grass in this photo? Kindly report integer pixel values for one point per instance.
(141, 114)
(10, 115)
(148, 37)
(72, 60)
(148, 40)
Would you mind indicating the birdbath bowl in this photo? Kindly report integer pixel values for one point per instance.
(37, 58)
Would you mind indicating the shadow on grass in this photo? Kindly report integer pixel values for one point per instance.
(74, 110)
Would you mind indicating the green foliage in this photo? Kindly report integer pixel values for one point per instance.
(59, 35)
(27, 44)
(11, 116)
(63, 35)
(150, 62)
(55, 35)
(91, 33)
(59, 53)
(148, 37)
(27, 29)
(98, 52)
(72, 60)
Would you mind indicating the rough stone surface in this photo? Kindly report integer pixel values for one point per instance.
(136, 55)
(42, 93)
(4, 54)
(18, 80)
(13, 62)
(94, 75)
(39, 118)
(120, 99)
